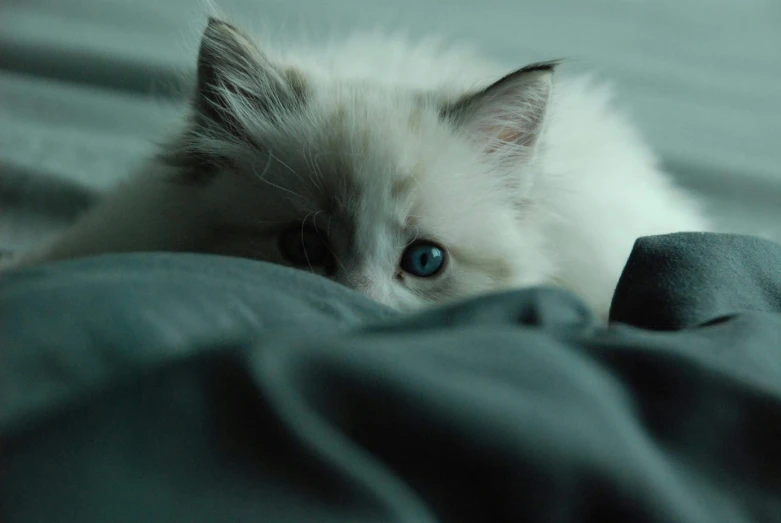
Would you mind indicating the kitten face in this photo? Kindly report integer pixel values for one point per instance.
(411, 198)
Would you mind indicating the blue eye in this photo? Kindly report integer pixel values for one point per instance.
(423, 259)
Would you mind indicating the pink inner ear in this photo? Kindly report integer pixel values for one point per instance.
(503, 135)
(510, 135)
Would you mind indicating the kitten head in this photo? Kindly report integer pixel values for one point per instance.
(411, 197)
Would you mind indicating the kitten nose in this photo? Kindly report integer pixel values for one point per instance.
(364, 284)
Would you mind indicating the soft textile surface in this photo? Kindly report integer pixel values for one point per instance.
(163, 388)
(87, 85)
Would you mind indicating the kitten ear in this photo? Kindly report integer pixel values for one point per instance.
(234, 76)
(510, 112)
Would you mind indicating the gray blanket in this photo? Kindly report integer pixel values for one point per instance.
(192, 388)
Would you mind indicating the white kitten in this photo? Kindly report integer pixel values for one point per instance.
(412, 173)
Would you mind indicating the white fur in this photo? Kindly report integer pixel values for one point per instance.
(591, 188)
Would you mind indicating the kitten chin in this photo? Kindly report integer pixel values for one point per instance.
(396, 169)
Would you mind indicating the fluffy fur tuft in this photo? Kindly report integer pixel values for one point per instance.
(376, 144)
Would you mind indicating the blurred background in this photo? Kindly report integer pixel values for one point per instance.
(87, 85)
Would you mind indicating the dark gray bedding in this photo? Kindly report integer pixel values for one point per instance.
(186, 388)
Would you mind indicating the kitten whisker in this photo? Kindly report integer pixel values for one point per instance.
(303, 227)
(336, 258)
(297, 195)
(316, 165)
(417, 231)
(317, 173)
(327, 241)
(286, 166)
(305, 155)
(261, 177)
(314, 218)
